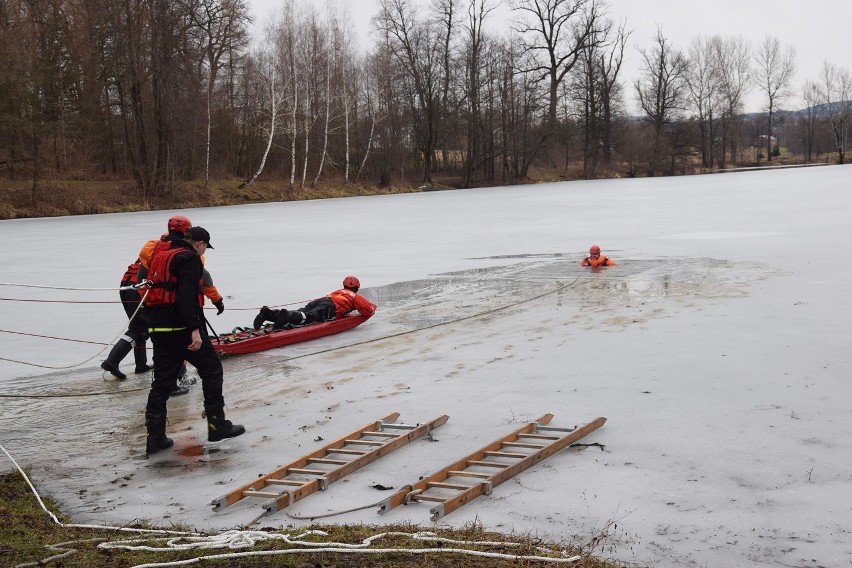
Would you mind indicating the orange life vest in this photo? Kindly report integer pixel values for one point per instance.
(600, 261)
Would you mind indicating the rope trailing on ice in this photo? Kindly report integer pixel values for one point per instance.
(133, 287)
(440, 324)
(106, 345)
(322, 351)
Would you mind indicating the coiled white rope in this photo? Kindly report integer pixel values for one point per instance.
(235, 539)
(77, 526)
(247, 539)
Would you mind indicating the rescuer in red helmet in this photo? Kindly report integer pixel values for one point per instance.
(332, 306)
(595, 258)
(136, 336)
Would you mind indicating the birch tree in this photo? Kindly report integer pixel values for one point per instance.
(221, 27)
(274, 105)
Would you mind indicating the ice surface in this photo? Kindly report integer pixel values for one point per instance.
(718, 349)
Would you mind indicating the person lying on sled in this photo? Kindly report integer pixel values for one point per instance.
(335, 305)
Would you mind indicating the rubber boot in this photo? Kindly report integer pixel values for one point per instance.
(156, 425)
(217, 427)
(140, 355)
(264, 316)
(119, 351)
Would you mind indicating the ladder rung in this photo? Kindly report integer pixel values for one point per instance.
(422, 497)
(250, 493)
(307, 471)
(346, 451)
(292, 482)
(366, 442)
(469, 474)
(398, 426)
(328, 461)
(539, 436)
(487, 464)
(382, 434)
(524, 445)
(445, 485)
(554, 429)
(506, 454)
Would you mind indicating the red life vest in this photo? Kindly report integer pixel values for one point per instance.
(163, 283)
(132, 273)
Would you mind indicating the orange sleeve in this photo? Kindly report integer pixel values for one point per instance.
(609, 262)
(146, 253)
(207, 287)
(585, 262)
(212, 293)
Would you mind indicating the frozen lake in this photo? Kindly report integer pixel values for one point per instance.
(718, 350)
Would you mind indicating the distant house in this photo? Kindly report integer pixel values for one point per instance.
(760, 142)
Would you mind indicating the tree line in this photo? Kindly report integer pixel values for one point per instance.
(165, 91)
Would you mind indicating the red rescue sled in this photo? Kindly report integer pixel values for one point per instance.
(252, 341)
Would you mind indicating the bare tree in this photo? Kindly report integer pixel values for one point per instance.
(556, 33)
(274, 106)
(609, 65)
(812, 98)
(221, 27)
(733, 72)
(477, 12)
(662, 90)
(445, 17)
(837, 100)
(330, 56)
(417, 47)
(701, 79)
(774, 73)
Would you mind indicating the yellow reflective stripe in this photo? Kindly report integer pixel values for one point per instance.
(156, 329)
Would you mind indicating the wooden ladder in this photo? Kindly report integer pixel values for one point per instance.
(481, 471)
(317, 470)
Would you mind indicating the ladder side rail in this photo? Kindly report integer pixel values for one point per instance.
(333, 475)
(400, 496)
(547, 451)
(485, 487)
(236, 495)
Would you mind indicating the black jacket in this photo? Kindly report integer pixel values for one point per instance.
(186, 311)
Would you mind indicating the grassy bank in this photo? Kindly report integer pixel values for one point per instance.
(31, 538)
(55, 198)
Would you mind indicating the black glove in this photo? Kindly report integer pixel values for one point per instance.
(220, 307)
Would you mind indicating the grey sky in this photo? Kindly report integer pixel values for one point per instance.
(818, 30)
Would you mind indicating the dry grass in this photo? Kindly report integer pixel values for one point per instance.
(29, 537)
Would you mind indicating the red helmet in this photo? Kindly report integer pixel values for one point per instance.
(351, 282)
(595, 249)
(179, 223)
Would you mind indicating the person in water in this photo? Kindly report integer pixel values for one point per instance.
(595, 258)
